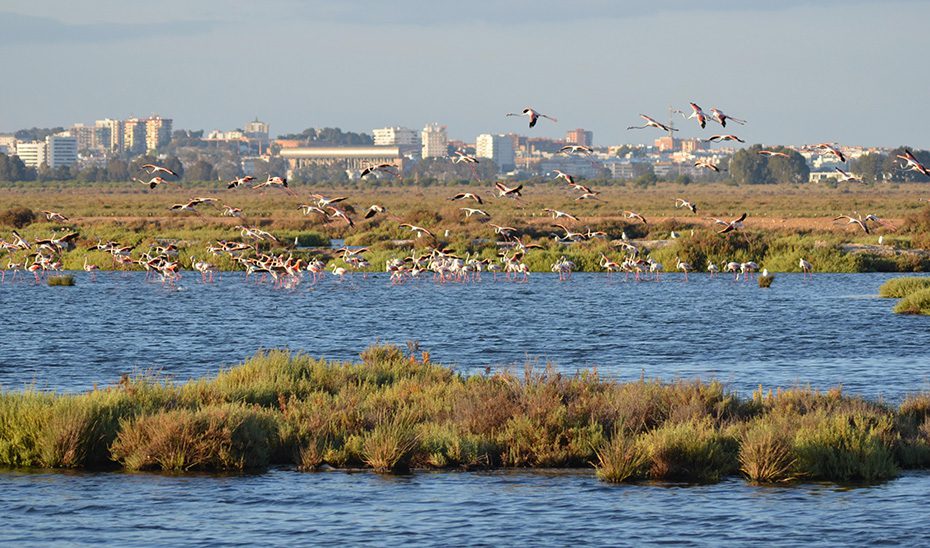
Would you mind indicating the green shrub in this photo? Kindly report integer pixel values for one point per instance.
(765, 453)
(917, 302)
(846, 448)
(692, 451)
(897, 288)
(64, 280)
(621, 459)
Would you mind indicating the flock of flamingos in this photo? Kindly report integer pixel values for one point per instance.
(252, 251)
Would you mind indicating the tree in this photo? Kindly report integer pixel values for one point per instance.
(36, 133)
(792, 169)
(201, 170)
(12, 169)
(747, 166)
(869, 167)
(117, 170)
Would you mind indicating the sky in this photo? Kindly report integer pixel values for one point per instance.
(798, 71)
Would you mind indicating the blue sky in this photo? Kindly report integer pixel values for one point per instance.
(834, 71)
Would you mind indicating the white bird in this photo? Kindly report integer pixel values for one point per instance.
(556, 214)
(721, 138)
(722, 118)
(467, 195)
(680, 202)
(575, 149)
(846, 177)
(469, 211)
(697, 113)
(912, 163)
(462, 157)
(828, 149)
(806, 267)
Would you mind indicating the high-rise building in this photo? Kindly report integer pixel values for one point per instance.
(498, 148)
(134, 135)
(111, 134)
(61, 150)
(435, 142)
(579, 137)
(32, 153)
(393, 136)
(157, 132)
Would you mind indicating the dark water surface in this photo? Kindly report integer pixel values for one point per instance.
(825, 332)
(288, 508)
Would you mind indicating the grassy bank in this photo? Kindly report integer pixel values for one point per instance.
(914, 293)
(394, 412)
(785, 223)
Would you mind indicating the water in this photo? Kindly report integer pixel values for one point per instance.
(288, 508)
(829, 331)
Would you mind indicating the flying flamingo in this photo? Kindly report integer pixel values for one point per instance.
(680, 202)
(828, 149)
(152, 168)
(912, 163)
(722, 118)
(651, 122)
(771, 153)
(467, 195)
(721, 138)
(697, 113)
(533, 115)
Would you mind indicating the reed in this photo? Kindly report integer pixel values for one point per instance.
(393, 410)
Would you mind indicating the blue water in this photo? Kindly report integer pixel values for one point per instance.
(824, 332)
(829, 331)
(288, 508)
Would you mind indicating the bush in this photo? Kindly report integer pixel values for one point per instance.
(692, 451)
(765, 454)
(17, 217)
(897, 288)
(66, 280)
(226, 437)
(620, 460)
(846, 447)
(917, 302)
(389, 447)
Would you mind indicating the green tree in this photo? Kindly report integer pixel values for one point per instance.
(748, 167)
(792, 169)
(117, 170)
(12, 169)
(201, 170)
(171, 162)
(869, 167)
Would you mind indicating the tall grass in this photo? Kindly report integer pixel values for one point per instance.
(394, 410)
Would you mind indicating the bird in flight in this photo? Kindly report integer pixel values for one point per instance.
(707, 164)
(462, 157)
(373, 210)
(504, 191)
(576, 149)
(696, 113)
(721, 138)
(533, 115)
(680, 202)
(828, 149)
(771, 153)
(384, 168)
(467, 195)
(634, 215)
(152, 168)
(730, 226)
(912, 163)
(651, 122)
(721, 118)
(240, 181)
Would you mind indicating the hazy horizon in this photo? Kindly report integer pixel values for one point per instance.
(798, 73)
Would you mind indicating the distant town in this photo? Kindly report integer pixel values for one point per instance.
(108, 149)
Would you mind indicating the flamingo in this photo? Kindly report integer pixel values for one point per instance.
(152, 168)
(912, 163)
(153, 182)
(562, 175)
(418, 229)
(707, 164)
(683, 266)
(55, 217)
(828, 149)
(857, 220)
(730, 226)
(696, 113)
(680, 202)
(240, 181)
(462, 157)
(846, 177)
(575, 149)
(533, 115)
(721, 138)
(651, 122)
(468, 196)
(712, 269)
(469, 211)
(373, 210)
(384, 168)
(771, 153)
(634, 215)
(503, 191)
(340, 214)
(230, 211)
(557, 214)
(721, 118)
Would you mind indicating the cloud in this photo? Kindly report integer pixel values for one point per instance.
(18, 29)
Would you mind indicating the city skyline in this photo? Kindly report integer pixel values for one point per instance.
(600, 80)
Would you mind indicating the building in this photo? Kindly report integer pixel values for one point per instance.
(61, 150)
(111, 134)
(32, 153)
(498, 148)
(391, 136)
(692, 145)
(579, 136)
(8, 144)
(666, 143)
(257, 131)
(157, 132)
(435, 141)
(352, 158)
(134, 135)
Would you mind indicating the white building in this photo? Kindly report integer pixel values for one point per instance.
(111, 134)
(498, 148)
(393, 136)
(32, 153)
(435, 141)
(61, 150)
(8, 144)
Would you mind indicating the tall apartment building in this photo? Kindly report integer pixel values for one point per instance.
(157, 132)
(61, 150)
(435, 142)
(579, 136)
(498, 148)
(134, 135)
(32, 153)
(111, 134)
(393, 136)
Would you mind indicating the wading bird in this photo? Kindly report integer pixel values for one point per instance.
(696, 113)
(721, 138)
(846, 177)
(576, 149)
(730, 226)
(462, 157)
(240, 181)
(562, 175)
(911, 163)
(504, 191)
(722, 118)
(374, 209)
(383, 168)
(771, 153)
(806, 268)
(469, 211)
(557, 214)
(418, 229)
(827, 149)
(152, 183)
(533, 115)
(707, 164)
(634, 215)
(152, 168)
(468, 196)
